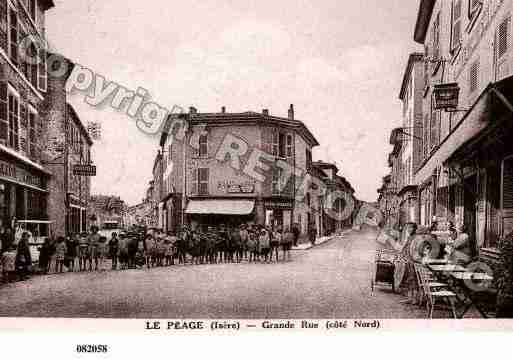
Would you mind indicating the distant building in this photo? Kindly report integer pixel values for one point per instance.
(107, 208)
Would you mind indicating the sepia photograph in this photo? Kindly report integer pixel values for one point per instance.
(256, 165)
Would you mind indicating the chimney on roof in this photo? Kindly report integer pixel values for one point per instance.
(291, 112)
(265, 112)
(223, 109)
(193, 110)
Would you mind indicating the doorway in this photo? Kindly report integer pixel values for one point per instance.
(469, 204)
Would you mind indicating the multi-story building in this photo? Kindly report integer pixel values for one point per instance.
(24, 181)
(224, 170)
(334, 220)
(466, 174)
(66, 144)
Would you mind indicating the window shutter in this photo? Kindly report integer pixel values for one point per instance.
(4, 122)
(503, 37)
(13, 36)
(194, 181)
(275, 143)
(507, 196)
(4, 23)
(474, 77)
(456, 24)
(42, 78)
(23, 115)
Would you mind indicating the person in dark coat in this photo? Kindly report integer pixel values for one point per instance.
(23, 257)
(71, 251)
(296, 232)
(113, 250)
(45, 252)
(133, 245)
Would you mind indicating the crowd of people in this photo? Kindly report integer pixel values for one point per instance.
(89, 251)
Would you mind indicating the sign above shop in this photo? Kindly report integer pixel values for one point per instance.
(18, 174)
(236, 187)
(278, 204)
(84, 170)
(446, 96)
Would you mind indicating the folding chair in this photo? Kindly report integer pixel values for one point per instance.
(434, 293)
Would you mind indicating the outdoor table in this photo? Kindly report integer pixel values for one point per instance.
(436, 261)
(469, 299)
(446, 268)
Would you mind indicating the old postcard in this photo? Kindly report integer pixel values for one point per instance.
(256, 166)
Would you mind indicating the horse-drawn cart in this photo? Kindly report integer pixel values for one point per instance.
(384, 268)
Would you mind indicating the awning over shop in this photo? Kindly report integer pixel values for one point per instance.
(475, 120)
(229, 207)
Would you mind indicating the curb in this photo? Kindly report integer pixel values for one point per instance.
(318, 242)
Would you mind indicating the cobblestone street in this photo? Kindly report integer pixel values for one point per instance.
(328, 281)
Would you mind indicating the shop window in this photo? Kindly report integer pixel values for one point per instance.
(203, 146)
(456, 25)
(14, 110)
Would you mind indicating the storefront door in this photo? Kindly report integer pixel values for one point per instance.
(469, 200)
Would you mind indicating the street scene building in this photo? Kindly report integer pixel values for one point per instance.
(452, 162)
(200, 187)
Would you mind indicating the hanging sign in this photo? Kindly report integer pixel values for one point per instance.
(84, 170)
(446, 96)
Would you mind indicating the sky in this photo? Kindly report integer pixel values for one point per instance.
(340, 63)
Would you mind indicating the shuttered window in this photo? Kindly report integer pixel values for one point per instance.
(4, 26)
(203, 174)
(32, 128)
(14, 120)
(503, 37)
(203, 146)
(474, 76)
(276, 184)
(507, 196)
(42, 77)
(289, 146)
(456, 24)
(13, 36)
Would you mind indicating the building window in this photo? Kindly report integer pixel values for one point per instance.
(308, 159)
(474, 76)
(203, 146)
(203, 174)
(276, 181)
(426, 131)
(275, 144)
(456, 24)
(289, 146)
(473, 6)
(42, 77)
(32, 122)
(14, 117)
(503, 37)
(32, 9)
(13, 36)
(436, 37)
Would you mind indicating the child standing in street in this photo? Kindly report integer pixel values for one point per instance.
(265, 244)
(60, 254)
(9, 264)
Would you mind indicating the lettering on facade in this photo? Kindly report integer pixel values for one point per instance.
(236, 187)
(278, 204)
(10, 170)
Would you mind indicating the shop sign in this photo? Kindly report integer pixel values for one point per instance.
(446, 96)
(278, 204)
(10, 170)
(84, 170)
(236, 187)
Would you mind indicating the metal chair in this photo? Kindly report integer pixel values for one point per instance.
(435, 291)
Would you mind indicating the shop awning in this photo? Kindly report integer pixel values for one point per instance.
(474, 122)
(231, 207)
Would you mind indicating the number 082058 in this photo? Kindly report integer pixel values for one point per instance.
(88, 348)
